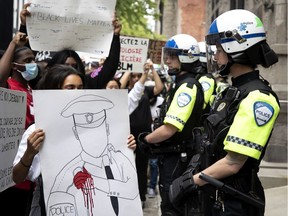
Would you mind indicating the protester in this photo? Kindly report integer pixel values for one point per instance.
(180, 113)
(27, 163)
(134, 94)
(240, 124)
(155, 104)
(67, 57)
(141, 120)
(17, 71)
(92, 66)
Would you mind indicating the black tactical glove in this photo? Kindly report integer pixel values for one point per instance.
(144, 146)
(181, 186)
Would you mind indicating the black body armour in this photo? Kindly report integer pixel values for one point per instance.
(216, 127)
(224, 109)
(185, 136)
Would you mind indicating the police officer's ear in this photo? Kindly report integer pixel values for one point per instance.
(75, 132)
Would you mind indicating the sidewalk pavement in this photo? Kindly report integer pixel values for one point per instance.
(274, 179)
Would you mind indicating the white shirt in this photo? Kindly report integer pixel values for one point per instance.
(34, 171)
(134, 96)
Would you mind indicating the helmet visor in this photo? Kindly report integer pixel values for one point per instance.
(170, 54)
(212, 66)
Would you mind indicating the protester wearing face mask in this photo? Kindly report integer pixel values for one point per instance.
(30, 72)
(18, 71)
(17, 67)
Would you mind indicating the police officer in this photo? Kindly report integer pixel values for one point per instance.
(206, 79)
(180, 113)
(241, 123)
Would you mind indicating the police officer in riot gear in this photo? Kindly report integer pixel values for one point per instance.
(241, 121)
(206, 79)
(180, 112)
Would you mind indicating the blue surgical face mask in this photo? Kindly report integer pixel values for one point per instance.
(31, 71)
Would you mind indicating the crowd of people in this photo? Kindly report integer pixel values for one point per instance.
(203, 123)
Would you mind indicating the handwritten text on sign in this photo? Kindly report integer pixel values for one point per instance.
(133, 53)
(155, 50)
(12, 123)
(80, 25)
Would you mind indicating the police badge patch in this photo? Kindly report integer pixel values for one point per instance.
(263, 112)
(205, 85)
(183, 99)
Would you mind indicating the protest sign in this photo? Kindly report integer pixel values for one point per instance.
(155, 50)
(133, 54)
(80, 25)
(12, 126)
(86, 166)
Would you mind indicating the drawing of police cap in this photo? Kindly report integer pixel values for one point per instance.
(87, 110)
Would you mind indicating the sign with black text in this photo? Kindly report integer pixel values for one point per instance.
(80, 25)
(12, 126)
(133, 54)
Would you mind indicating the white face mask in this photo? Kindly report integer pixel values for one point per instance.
(31, 71)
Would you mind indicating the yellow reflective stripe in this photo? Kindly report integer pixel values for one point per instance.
(245, 136)
(208, 88)
(179, 112)
(212, 98)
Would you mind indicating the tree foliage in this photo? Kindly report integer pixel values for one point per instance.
(134, 17)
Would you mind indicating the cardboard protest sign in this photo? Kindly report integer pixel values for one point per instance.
(82, 25)
(155, 50)
(12, 126)
(86, 166)
(133, 54)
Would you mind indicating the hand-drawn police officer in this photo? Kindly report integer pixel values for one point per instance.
(99, 172)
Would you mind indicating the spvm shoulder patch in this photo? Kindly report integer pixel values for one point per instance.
(183, 99)
(205, 85)
(263, 112)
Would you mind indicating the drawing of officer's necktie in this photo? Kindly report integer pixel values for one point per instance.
(113, 199)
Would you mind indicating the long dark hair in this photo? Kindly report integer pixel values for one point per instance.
(61, 57)
(54, 77)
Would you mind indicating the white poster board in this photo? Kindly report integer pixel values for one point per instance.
(12, 126)
(86, 166)
(80, 25)
(133, 54)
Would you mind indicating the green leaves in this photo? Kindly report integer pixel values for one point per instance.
(134, 16)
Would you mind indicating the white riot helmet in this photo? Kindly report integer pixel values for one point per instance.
(238, 31)
(202, 49)
(184, 46)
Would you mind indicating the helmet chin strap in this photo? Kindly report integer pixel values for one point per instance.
(225, 69)
(173, 71)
